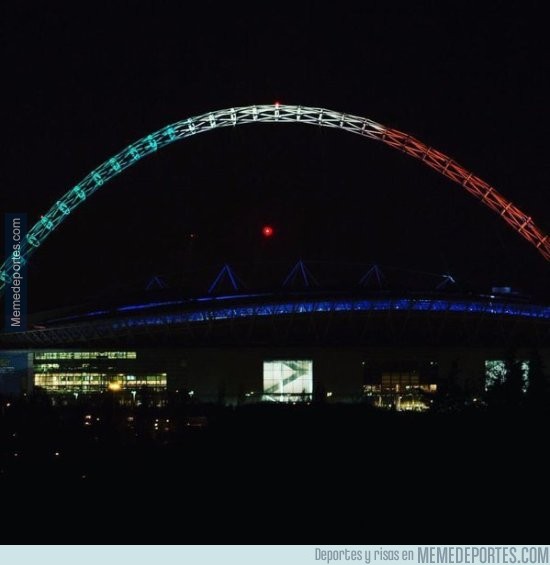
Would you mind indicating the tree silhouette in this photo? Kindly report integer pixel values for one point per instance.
(537, 388)
(513, 381)
(506, 386)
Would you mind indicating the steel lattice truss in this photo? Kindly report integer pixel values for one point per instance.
(488, 195)
(110, 326)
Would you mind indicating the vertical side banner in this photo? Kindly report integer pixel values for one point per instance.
(15, 313)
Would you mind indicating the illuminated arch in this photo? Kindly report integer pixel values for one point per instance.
(520, 221)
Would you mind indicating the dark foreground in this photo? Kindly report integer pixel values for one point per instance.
(270, 474)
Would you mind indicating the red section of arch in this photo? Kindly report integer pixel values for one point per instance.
(483, 191)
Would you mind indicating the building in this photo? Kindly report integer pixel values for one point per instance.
(391, 349)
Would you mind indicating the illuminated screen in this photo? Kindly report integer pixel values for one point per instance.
(288, 379)
(496, 372)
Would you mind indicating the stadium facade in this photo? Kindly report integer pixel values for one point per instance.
(341, 345)
(392, 349)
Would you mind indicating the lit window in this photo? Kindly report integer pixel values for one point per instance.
(55, 355)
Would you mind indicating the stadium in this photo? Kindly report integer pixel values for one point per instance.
(393, 346)
(346, 339)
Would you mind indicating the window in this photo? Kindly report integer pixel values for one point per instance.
(61, 355)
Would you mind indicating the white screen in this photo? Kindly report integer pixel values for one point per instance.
(288, 379)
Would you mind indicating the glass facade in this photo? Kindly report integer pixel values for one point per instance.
(93, 372)
(58, 381)
(288, 380)
(69, 355)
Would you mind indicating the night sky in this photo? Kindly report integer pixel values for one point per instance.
(82, 81)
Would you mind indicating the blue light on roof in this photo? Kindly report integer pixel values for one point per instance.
(131, 307)
(78, 316)
(212, 309)
(319, 306)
